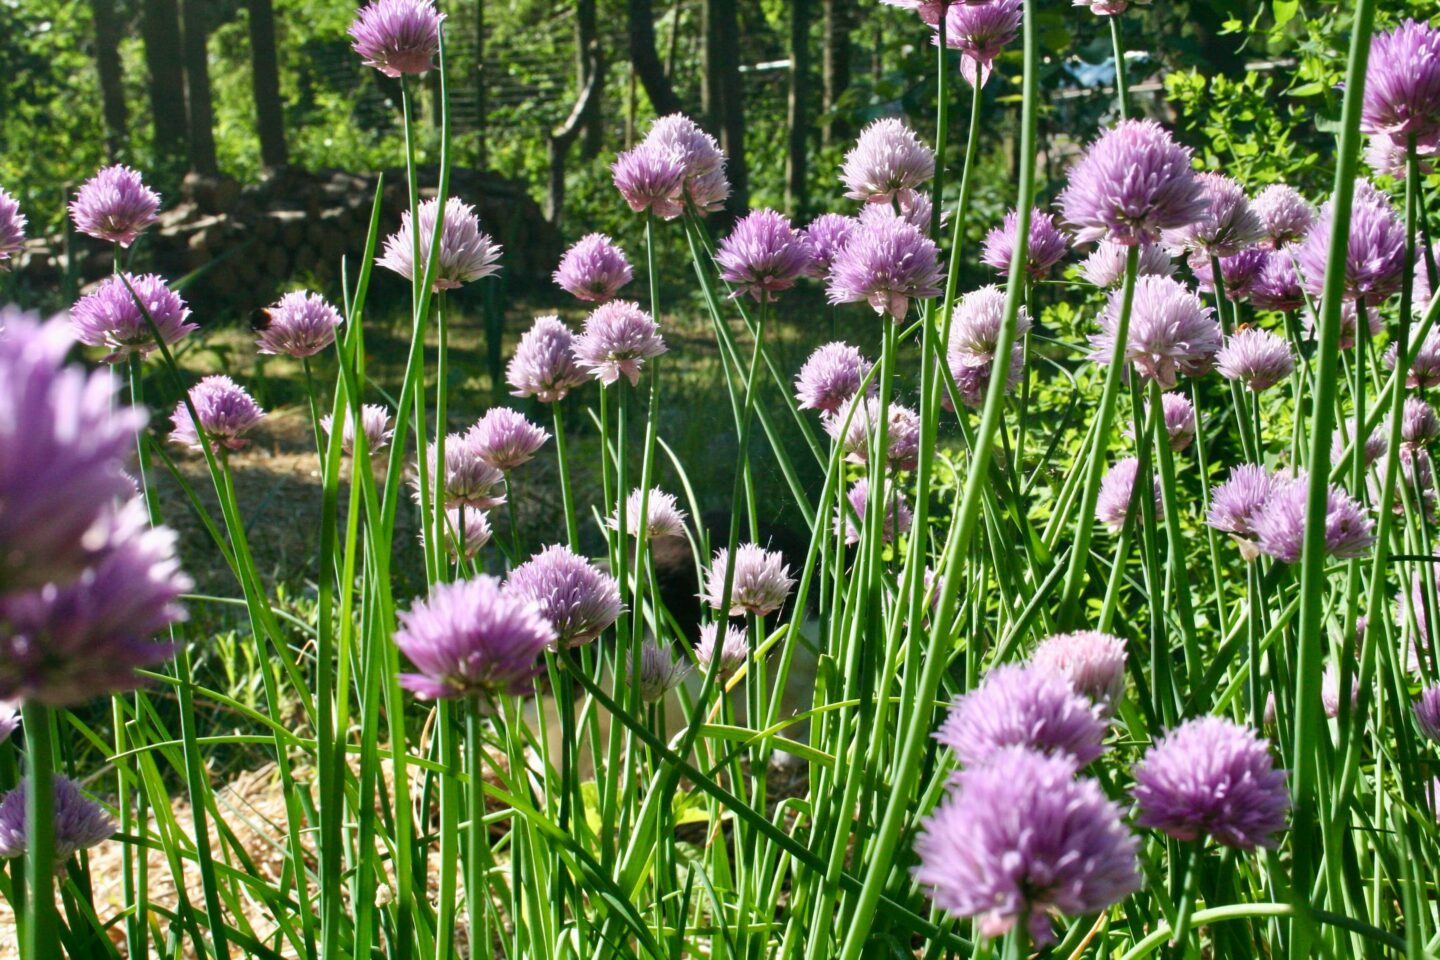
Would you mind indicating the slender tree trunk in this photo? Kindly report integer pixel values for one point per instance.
(711, 66)
(112, 79)
(586, 33)
(836, 66)
(724, 36)
(646, 60)
(482, 151)
(798, 116)
(197, 89)
(265, 82)
(160, 29)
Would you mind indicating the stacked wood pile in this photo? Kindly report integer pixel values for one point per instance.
(241, 245)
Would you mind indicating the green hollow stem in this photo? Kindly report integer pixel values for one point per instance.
(898, 807)
(40, 938)
(1122, 88)
(477, 840)
(1309, 720)
(567, 496)
(1095, 466)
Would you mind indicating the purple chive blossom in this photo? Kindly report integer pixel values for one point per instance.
(300, 324)
(660, 672)
(1021, 838)
(1424, 370)
(63, 645)
(114, 205)
(1171, 331)
(1105, 267)
(915, 209)
(80, 822)
(1375, 255)
(929, 10)
(397, 37)
(375, 423)
(1420, 292)
(1280, 525)
(1418, 656)
(887, 263)
(593, 269)
(1285, 216)
(1117, 491)
(1427, 713)
(466, 532)
(1375, 444)
(226, 411)
(1417, 474)
(110, 317)
(887, 163)
(1211, 777)
(975, 332)
(1418, 423)
(1349, 326)
(12, 228)
(472, 638)
(1132, 184)
(651, 179)
(701, 160)
(1239, 273)
(896, 513)
(973, 380)
(663, 516)
(830, 377)
(1179, 414)
(902, 432)
(544, 364)
(1330, 691)
(761, 582)
(1093, 663)
(9, 720)
(1237, 502)
(576, 597)
(1107, 8)
(470, 480)
(61, 446)
(1257, 358)
(1048, 245)
(763, 255)
(980, 31)
(466, 252)
(828, 234)
(504, 439)
(1402, 85)
(1019, 705)
(1228, 226)
(1387, 158)
(618, 338)
(733, 651)
(1277, 285)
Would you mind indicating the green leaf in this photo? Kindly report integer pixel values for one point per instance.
(1285, 11)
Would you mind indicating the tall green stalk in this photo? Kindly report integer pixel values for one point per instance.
(40, 935)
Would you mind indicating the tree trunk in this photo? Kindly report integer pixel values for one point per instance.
(112, 79)
(723, 32)
(647, 62)
(160, 29)
(836, 66)
(482, 155)
(585, 35)
(265, 81)
(797, 116)
(711, 86)
(197, 89)
(586, 104)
